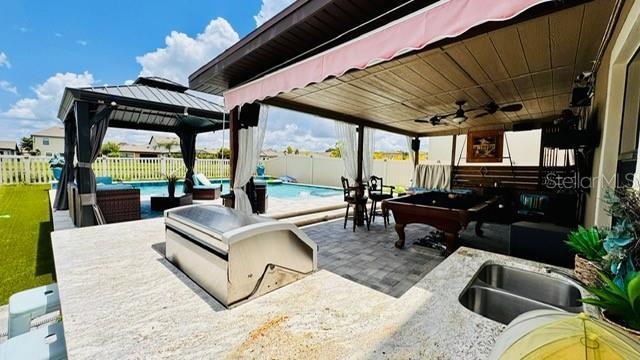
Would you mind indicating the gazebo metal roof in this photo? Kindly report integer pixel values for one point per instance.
(150, 103)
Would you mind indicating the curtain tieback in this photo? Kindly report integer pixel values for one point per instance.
(88, 199)
(86, 165)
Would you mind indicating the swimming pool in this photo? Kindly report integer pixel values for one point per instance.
(276, 190)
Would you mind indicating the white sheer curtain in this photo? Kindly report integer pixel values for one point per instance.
(348, 144)
(250, 142)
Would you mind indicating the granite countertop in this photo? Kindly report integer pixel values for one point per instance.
(121, 299)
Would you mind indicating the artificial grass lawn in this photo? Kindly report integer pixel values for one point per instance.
(26, 258)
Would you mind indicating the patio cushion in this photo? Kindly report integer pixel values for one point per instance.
(27, 305)
(107, 180)
(201, 180)
(44, 343)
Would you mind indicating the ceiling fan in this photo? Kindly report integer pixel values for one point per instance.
(459, 116)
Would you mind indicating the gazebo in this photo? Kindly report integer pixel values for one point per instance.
(150, 103)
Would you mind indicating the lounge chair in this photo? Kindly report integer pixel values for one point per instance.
(203, 189)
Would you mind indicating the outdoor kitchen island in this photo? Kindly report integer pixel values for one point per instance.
(122, 299)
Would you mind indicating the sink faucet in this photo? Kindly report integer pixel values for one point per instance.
(567, 276)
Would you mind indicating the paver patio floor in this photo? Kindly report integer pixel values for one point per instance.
(370, 258)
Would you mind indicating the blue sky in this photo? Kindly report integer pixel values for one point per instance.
(47, 45)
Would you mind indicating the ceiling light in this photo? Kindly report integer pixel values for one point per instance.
(460, 117)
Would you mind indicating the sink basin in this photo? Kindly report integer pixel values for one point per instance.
(498, 305)
(530, 285)
(501, 293)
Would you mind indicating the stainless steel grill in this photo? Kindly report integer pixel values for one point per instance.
(236, 257)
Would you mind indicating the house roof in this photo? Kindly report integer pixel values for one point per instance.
(269, 153)
(134, 148)
(301, 30)
(55, 131)
(8, 145)
(164, 139)
(149, 104)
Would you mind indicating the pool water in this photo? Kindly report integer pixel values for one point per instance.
(276, 190)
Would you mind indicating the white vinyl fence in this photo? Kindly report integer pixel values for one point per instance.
(35, 169)
(327, 171)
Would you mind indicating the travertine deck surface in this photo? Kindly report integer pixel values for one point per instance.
(122, 299)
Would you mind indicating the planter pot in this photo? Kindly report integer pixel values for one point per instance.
(612, 321)
(587, 271)
(171, 188)
(57, 172)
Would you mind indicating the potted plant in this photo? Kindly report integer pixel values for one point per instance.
(589, 248)
(171, 183)
(619, 305)
(56, 163)
(621, 243)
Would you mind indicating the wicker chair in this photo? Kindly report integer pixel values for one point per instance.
(119, 204)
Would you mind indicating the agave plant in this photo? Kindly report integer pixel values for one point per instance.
(623, 302)
(587, 243)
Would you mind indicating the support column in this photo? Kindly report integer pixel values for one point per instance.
(453, 160)
(415, 146)
(359, 180)
(234, 128)
(83, 129)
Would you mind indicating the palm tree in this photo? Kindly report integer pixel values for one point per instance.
(167, 145)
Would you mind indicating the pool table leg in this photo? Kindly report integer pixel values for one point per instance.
(479, 229)
(451, 239)
(400, 230)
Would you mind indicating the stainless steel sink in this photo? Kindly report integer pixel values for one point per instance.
(501, 293)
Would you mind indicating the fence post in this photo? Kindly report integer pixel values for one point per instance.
(26, 164)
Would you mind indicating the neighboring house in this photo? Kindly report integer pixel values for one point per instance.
(157, 141)
(269, 154)
(136, 151)
(8, 147)
(49, 142)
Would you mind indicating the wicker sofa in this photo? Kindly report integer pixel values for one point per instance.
(118, 203)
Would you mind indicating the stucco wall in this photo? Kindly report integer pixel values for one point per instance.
(607, 109)
(56, 145)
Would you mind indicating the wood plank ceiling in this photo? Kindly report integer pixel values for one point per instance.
(532, 62)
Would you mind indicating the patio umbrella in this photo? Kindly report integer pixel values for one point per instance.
(548, 334)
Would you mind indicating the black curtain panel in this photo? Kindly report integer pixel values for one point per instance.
(188, 148)
(68, 173)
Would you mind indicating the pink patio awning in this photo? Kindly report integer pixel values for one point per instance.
(445, 19)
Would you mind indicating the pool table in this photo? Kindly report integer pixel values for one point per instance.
(446, 211)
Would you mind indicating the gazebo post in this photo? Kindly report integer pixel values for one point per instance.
(83, 128)
(359, 181)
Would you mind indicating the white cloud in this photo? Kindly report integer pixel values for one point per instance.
(23, 29)
(183, 54)
(82, 42)
(40, 111)
(4, 60)
(57, 34)
(269, 8)
(8, 87)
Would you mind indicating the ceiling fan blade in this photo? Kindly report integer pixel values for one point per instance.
(481, 115)
(511, 108)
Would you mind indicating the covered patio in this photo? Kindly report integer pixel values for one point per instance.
(150, 103)
(448, 69)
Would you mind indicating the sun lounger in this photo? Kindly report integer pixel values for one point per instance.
(203, 189)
